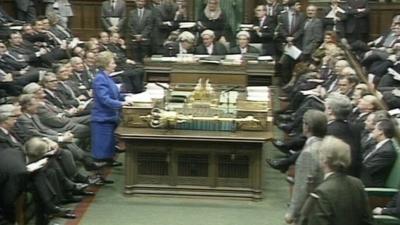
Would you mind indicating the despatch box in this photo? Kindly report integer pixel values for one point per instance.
(132, 115)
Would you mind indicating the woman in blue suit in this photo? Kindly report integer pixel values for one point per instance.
(106, 110)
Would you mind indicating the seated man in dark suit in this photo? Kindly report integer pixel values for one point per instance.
(378, 162)
(209, 46)
(183, 45)
(243, 47)
(392, 208)
(22, 73)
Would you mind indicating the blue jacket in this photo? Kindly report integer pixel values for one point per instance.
(107, 99)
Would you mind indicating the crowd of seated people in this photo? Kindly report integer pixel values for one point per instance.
(356, 107)
(46, 77)
(46, 100)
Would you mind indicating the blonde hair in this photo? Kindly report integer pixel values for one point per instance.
(104, 59)
(335, 154)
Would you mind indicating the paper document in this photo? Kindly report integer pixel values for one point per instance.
(114, 21)
(141, 97)
(292, 51)
(36, 165)
(394, 112)
(85, 104)
(265, 58)
(16, 27)
(395, 74)
(187, 25)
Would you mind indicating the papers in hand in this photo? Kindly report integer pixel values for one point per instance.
(310, 92)
(394, 112)
(85, 104)
(246, 26)
(186, 25)
(36, 165)
(332, 13)
(395, 74)
(114, 21)
(292, 51)
(16, 27)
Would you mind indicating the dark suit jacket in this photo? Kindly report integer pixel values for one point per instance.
(219, 25)
(142, 26)
(118, 12)
(250, 49)
(26, 128)
(6, 142)
(296, 32)
(23, 5)
(218, 49)
(267, 30)
(339, 199)
(276, 9)
(172, 49)
(341, 129)
(330, 24)
(60, 32)
(393, 207)
(67, 95)
(357, 22)
(376, 168)
(313, 35)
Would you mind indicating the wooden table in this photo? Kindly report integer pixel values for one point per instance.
(194, 163)
(260, 74)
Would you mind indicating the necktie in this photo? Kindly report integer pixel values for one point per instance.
(113, 5)
(293, 24)
(140, 14)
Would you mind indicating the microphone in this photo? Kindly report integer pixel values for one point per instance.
(232, 88)
(162, 86)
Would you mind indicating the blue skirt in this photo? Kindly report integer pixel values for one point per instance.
(103, 140)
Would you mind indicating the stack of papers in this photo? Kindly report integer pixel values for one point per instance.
(157, 91)
(246, 26)
(186, 25)
(258, 93)
(265, 58)
(394, 73)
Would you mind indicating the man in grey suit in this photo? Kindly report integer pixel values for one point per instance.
(307, 165)
(51, 115)
(61, 8)
(25, 10)
(313, 33)
(340, 199)
(140, 25)
(113, 15)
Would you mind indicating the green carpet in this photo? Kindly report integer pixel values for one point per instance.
(110, 206)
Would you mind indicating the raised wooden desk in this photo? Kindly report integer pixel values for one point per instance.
(194, 163)
(260, 74)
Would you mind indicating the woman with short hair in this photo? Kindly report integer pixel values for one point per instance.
(105, 115)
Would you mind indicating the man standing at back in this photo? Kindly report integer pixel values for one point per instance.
(140, 25)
